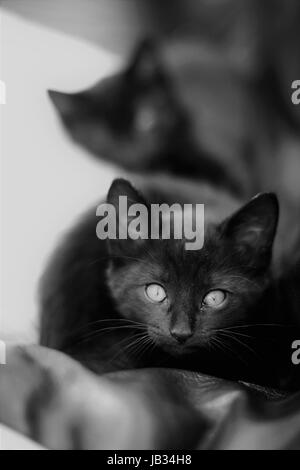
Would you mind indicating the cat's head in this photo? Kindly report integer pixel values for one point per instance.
(131, 118)
(184, 296)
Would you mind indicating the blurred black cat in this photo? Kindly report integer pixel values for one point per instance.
(163, 112)
(116, 304)
(185, 108)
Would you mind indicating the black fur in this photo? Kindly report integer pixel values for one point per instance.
(93, 294)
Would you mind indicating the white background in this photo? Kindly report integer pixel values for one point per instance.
(46, 181)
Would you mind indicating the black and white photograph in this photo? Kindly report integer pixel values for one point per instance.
(150, 227)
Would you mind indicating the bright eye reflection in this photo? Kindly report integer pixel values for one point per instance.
(155, 292)
(215, 298)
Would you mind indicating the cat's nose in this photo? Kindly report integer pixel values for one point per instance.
(181, 336)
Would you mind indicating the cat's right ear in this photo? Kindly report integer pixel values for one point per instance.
(252, 229)
(132, 218)
(146, 64)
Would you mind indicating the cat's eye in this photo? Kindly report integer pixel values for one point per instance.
(155, 293)
(214, 299)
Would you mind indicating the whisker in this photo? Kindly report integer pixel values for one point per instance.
(234, 332)
(101, 331)
(128, 341)
(228, 348)
(88, 325)
(142, 347)
(281, 325)
(137, 340)
(251, 337)
(229, 335)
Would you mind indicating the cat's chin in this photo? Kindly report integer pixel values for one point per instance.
(170, 346)
(176, 349)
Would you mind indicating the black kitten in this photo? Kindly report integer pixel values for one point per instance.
(130, 118)
(147, 116)
(130, 303)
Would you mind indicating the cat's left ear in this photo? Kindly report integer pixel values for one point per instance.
(132, 218)
(252, 228)
(68, 104)
(146, 64)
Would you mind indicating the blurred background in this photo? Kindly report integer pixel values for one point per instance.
(69, 44)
